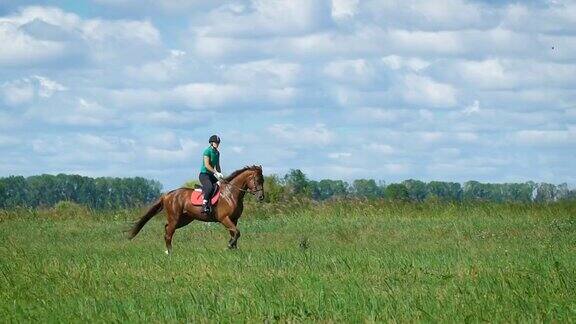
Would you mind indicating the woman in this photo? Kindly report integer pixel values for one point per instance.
(210, 172)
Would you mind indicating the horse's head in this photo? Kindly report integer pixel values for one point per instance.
(256, 182)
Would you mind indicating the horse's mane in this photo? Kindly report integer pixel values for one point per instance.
(238, 172)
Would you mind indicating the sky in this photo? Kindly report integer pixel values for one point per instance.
(448, 90)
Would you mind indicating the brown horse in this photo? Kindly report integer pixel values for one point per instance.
(180, 211)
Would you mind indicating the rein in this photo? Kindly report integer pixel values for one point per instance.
(253, 192)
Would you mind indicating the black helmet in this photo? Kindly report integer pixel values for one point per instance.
(214, 138)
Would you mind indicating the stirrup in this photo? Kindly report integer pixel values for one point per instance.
(206, 209)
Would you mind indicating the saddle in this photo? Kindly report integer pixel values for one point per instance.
(198, 196)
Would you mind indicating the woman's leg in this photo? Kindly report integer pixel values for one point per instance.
(207, 189)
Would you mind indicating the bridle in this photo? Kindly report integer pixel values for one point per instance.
(253, 192)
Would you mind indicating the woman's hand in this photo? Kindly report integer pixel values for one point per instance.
(218, 175)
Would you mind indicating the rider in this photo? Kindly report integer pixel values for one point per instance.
(210, 172)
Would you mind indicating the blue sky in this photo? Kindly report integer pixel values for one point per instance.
(448, 90)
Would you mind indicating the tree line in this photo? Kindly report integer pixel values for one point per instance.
(98, 193)
(295, 182)
(111, 193)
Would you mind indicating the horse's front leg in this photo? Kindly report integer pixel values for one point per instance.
(234, 232)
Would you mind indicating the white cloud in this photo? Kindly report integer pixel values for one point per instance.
(358, 71)
(48, 87)
(425, 91)
(431, 136)
(184, 153)
(339, 155)
(203, 95)
(473, 108)
(344, 9)
(396, 62)
(17, 92)
(237, 149)
(163, 70)
(545, 137)
(41, 35)
(82, 112)
(264, 18)
(24, 49)
(280, 78)
(554, 17)
(103, 30)
(263, 72)
(25, 90)
(291, 134)
(375, 114)
(381, 148)
(425, 42)
(430, 15)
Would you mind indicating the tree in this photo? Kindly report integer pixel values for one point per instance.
(446, 191)
(332, 188)
(474, 190)
(546, 192)
(516, 192)
(297, 183)
(15, 191)
(366, 188)
(274, 191)
(416, 189)
(397, 191)
(3, 194)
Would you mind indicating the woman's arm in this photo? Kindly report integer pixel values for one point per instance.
(207, 164)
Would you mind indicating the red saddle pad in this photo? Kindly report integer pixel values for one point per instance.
(198, 197)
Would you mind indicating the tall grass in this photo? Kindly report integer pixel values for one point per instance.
(337, 261)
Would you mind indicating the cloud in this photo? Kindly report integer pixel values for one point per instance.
(263, 73)
(446, 89)
(339, 155)
(202, 95)
(473, 108)
(358, 71)
(24, 49)
(17, 92)
(26, 90)
(425, 91)
(344, 9)
(82, 112)
(260, 18)
(396, 62)
(430, 15)
(43, 35)
(48, 87)
(291, 134)
(545, 137)
(161, 71)
(381, 148)
(556, 17)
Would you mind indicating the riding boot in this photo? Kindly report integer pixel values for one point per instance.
(206, 208)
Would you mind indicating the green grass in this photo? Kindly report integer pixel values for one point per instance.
(369, 261)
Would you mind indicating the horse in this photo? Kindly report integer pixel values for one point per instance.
(180, 211)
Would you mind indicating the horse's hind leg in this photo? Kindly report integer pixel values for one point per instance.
(170, 228)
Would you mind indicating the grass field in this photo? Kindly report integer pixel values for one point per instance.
(372, 261)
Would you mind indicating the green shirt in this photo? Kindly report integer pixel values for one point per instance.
(214, 156)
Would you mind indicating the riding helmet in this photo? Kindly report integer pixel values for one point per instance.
(214, 138)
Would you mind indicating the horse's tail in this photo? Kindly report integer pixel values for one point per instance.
(155, 209)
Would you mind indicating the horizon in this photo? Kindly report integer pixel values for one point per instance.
(446, 90)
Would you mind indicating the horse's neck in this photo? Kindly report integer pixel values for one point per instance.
(239, 182)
